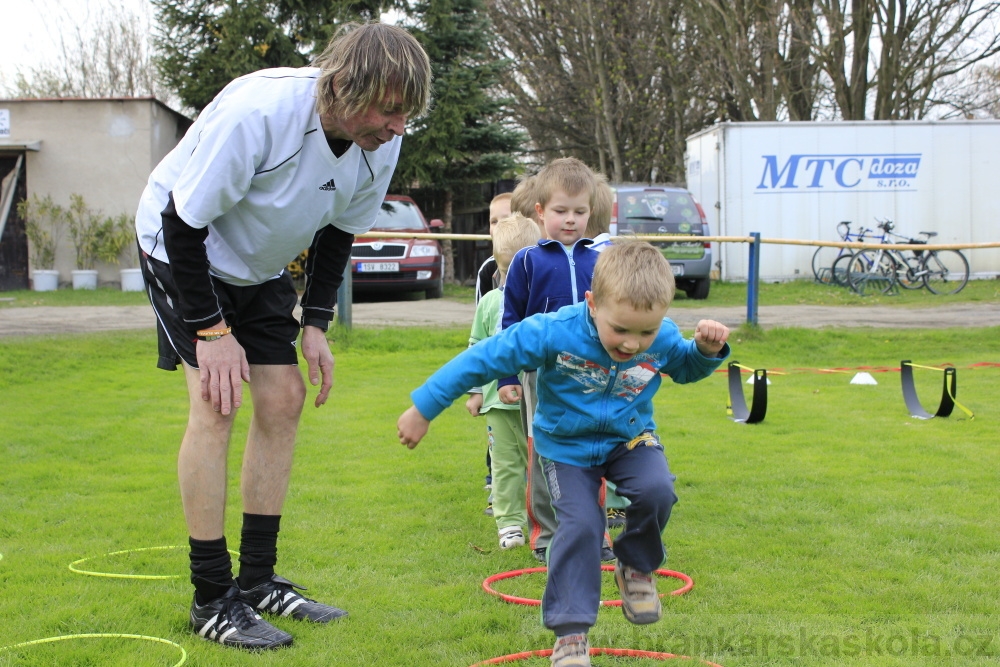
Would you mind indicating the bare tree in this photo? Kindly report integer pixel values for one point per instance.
(607, 81)
(109, 57)
(906, 57)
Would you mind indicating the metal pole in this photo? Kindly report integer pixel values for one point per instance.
(753, 279)
(345, 295)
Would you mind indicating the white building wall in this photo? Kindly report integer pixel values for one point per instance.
(103, 149)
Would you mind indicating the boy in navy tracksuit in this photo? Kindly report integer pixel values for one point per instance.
(543, 279)
(599, 365)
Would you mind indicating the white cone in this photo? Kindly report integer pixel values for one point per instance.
(863, 378)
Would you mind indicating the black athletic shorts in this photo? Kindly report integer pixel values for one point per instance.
(261, 317)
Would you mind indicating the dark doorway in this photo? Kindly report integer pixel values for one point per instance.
(13, 241)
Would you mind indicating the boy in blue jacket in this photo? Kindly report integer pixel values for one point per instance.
(599, 365)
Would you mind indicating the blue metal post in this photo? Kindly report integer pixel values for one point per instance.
(753, 279)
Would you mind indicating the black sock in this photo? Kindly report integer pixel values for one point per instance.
(258, 549)
(211, 569)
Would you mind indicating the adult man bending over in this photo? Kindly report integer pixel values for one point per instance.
(282, 159)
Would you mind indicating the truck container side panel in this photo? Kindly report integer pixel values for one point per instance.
(798, 180)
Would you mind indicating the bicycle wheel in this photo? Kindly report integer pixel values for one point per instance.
(838, 272)
(947, 271)
(872, 272)
(822, 263)
(908, 271)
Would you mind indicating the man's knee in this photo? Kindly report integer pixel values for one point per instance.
(278, 392)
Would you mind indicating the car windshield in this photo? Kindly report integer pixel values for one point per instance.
(398, 215)
(655, 208)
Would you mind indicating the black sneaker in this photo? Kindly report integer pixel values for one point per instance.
(616, 518)
(230, 621)
(277, 596)
(607, 554)
(539, 554)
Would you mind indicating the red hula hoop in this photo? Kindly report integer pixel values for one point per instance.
(619, 652)
(688, 585)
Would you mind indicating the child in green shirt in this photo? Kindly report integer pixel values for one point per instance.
(508, 445)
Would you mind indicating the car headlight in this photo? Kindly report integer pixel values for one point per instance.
(424, 251)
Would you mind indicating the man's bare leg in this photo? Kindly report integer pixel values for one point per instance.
(278, 394)
(201, 464)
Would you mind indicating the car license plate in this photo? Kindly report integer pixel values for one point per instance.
(378, 267)
(678, 269)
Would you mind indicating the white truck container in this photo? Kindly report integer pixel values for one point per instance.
(798, 180)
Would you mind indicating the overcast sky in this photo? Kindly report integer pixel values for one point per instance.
(30, 29)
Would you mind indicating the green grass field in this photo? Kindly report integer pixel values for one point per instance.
(840, 531)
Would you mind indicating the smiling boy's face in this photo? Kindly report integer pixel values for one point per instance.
(624, 330)
(564, 217)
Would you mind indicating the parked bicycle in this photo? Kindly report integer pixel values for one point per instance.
(882, 269)
(829, 264)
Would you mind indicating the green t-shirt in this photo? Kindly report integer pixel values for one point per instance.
(486, 323)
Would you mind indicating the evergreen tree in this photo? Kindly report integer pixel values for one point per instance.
(465, 138)
(205, 44)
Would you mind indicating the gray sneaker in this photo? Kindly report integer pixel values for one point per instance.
(640, 601)
(231, 621)
(571, 651)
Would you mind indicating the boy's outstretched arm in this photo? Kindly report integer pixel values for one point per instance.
(411, 427)
(710, 337)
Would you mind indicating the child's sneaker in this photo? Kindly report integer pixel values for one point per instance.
(571, 651)
(640, 601)
(511, 537)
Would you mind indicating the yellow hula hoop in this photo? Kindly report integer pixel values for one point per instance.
(60, 638)
(116, 575)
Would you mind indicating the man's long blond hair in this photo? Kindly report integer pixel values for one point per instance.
(366, 63)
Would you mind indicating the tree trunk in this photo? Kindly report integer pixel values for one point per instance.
(605, 97)
(447, 247)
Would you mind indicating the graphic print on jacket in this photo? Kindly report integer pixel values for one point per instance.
(628, 384)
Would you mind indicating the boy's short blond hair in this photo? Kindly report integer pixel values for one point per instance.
(566, 174)
(367, 63)
(511, 234)
(501, 197)
(633, 272)
(600, 207)
(522, 199)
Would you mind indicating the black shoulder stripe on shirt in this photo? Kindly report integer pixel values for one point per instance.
(365, 156)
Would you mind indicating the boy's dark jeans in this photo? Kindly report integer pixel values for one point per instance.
(573, 591)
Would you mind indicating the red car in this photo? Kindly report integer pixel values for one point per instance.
(399, 265)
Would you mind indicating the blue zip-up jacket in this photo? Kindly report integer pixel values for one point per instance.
(543, 279)
(587, 403)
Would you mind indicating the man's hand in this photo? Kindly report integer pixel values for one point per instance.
(474, 403)
(319, 358)
(710, 337)
(223, 367)
(511, 394)
(411, 427)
